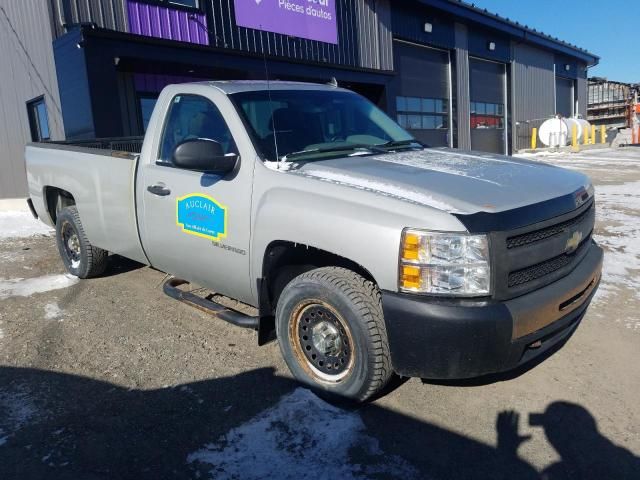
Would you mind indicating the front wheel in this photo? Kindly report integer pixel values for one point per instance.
(332, 335)
(80, 258)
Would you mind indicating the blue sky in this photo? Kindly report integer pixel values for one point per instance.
(608, 28)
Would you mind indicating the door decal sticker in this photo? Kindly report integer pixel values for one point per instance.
(201, 215)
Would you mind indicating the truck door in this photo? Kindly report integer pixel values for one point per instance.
(196, 225)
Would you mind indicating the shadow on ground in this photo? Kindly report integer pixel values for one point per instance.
(60, 426)
(118, 265)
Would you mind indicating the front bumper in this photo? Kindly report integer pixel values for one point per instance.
(455, 339)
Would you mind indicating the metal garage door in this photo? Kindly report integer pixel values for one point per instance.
(564, 96)
(488, 105)
(422, 92)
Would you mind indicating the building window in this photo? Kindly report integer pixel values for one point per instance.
(487, 115)
(38, 120)
(416, 113)
(146, 103)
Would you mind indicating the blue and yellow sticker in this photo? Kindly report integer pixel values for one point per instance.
(201, 215)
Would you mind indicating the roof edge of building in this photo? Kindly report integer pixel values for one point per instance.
(482, 16)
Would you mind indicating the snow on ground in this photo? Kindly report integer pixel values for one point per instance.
(52, 311)
(17, 409)
(288, 442)
(25, 287)
(16, 224)
(589, 161)
(619, 214)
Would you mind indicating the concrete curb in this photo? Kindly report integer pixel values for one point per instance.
(13, 205)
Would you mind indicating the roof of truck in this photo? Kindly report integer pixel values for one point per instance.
(236, 86)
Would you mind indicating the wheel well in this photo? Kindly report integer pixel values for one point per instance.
(57, 199)
(283, 261)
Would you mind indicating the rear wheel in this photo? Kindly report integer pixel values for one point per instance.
(332, 335)
(80, 258)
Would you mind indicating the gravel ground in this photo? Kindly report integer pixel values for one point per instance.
(109, 378)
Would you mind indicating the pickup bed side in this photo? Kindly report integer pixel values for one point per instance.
(102, 186)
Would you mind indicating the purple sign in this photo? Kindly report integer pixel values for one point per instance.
(312, 19)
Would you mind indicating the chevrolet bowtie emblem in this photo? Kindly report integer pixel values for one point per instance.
(573, 242)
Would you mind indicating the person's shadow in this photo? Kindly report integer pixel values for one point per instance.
(60, 426)
(585, 453)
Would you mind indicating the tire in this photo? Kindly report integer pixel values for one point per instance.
(332, 334)
(80, 258)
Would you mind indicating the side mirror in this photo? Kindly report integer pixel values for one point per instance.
(203, 155)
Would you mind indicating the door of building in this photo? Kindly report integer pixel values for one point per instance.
(422, 92)
(487, 88)
(564, 96)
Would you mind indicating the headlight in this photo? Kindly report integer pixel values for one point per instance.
(454, 264)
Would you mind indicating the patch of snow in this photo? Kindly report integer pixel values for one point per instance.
(286, 442)
(14, 224)
(373, 186)
(434, 160)
(17, 409)
(618, 214)
(11, 257)
(282, 166)
(52, 311)
(25, 287)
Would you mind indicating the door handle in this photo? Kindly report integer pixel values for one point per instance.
(159, 190)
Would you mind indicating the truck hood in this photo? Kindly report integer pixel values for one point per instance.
(451, 180)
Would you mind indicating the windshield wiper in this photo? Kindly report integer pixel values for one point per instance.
(402, 143)
(342, 148)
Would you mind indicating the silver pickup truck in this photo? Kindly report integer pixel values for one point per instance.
(364, 252)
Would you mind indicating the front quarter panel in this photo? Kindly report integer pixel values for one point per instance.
(359, 225)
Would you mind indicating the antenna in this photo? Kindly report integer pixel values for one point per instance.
(273, 118)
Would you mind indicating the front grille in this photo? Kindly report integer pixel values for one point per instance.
(544, 233)
(531, 257)
(539, 270)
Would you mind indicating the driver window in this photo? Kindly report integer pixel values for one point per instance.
(191, 117)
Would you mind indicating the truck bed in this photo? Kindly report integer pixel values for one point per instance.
(100, 176)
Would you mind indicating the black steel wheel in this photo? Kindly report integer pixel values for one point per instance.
(332, 334)
(322, 341)
(79, 256)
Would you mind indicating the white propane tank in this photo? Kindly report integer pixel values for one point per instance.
(554, 132)
(574, 122)
(584, 125)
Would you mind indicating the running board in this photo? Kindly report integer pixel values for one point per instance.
(238, 319)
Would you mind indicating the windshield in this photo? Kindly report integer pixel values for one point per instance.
(317, 124)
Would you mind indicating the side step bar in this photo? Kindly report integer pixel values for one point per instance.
(238, 319)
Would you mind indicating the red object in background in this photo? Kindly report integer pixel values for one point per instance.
(485, 121)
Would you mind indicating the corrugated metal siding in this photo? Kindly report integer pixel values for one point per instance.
(582, 87)
(109, 14)
(27, 72)
(462, 87)
(383, 9)
(533, 81)
(168, 23)
(364, 30)
(408, 20)
(533, 86)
